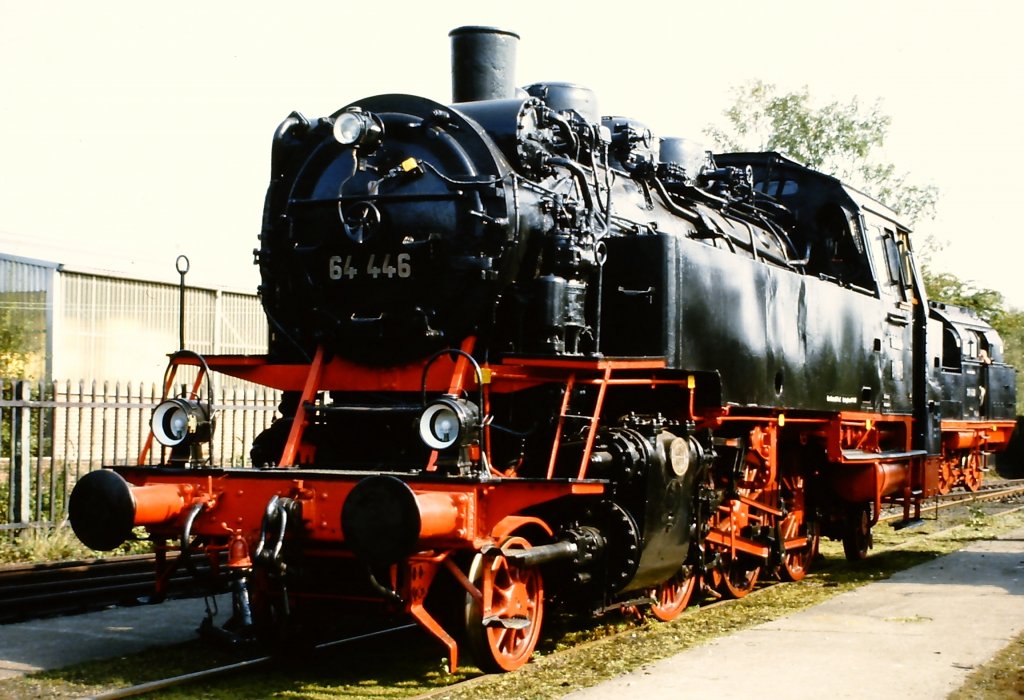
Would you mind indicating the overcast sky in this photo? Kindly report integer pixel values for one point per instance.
(136, 131)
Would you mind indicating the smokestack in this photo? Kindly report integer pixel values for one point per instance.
(483, 63)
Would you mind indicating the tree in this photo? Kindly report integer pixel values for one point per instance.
(15, 356)
(987, 303)
(990, 305)
(838, 139)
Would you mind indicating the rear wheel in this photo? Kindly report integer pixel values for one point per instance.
(797, 562)
(735, 579)
(674, 595)
(503, 627)
(972, 473)
(857, 538)
(945, 483)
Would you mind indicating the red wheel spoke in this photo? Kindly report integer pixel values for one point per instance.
(673, 595)
(504, 627)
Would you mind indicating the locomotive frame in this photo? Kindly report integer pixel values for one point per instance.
(603, 377)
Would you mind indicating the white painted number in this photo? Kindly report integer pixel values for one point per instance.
(371, 269)
(404, 268)
(338, 267)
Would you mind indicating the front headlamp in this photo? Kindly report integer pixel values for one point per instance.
(354, 127)
(447, 422)
(182, 421)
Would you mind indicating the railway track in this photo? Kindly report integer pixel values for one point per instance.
(247, 664)
(991, 493)
(484, 682)
(988, 492)
(36, 590)
(30, 591)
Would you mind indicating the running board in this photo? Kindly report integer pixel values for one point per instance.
(864, 456)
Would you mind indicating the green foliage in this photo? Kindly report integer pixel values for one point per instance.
(35, 545)
(13, 344)
(19, 331)
(43, 544)
(838, 139)
(978, 518)
(944, 286)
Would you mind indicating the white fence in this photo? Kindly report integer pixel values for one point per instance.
(52, 433)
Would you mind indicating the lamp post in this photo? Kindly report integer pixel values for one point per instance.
(181, 265)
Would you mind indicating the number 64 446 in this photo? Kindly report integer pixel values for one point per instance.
(344, 267)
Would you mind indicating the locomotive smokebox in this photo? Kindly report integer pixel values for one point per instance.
(483, 63)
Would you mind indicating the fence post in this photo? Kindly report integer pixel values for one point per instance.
(21, 455)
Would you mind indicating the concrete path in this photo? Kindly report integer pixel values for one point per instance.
(916, 635)
(57, 642)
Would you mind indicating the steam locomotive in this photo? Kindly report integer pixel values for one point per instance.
(530, 355)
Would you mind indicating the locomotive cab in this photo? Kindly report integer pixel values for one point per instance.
(976, 382)
(827, 217)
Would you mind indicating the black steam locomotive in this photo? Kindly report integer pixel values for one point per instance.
(533, 354)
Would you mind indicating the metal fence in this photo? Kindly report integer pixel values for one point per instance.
(52, 433)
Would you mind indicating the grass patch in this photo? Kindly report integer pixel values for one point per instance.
(36, 545)
(1002, 677)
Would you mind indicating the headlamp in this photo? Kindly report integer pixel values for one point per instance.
(182, 421)
(354, 127)
(447, 422)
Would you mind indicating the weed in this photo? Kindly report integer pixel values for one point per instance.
(977, 519)
(44, 544)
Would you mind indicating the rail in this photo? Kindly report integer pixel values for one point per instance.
(207, 674)
(31, 591)
(987, 492)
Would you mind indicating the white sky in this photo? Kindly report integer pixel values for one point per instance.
(131, 132)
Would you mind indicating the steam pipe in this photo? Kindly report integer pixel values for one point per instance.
(582, 545)
(535, 556)
(581, 180)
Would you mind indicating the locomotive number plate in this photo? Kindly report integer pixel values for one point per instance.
(375, 266)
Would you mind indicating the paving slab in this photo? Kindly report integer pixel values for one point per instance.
(918, 634)
(58, 642)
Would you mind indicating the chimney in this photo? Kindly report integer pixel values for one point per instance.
(483, 63)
